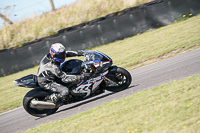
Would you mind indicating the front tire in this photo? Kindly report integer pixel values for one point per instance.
(117, 81)
(36, 94)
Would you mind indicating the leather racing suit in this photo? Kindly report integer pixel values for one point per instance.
(50, 69)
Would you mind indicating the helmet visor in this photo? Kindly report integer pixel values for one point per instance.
(60, 55)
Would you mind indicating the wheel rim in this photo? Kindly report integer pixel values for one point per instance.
(118, 79)
(121, 78)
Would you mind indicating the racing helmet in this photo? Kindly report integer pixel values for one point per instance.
(57, 52)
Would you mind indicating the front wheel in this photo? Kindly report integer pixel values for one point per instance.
(37, 95)
(117, 81)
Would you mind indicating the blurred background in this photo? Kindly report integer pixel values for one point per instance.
(17, 10)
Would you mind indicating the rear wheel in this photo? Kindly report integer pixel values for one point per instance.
(36, 95)
(117, 81)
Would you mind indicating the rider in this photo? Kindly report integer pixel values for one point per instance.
(50, 68)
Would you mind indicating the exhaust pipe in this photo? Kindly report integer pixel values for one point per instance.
(43, 105)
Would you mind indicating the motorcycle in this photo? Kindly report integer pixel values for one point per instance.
(37, 103)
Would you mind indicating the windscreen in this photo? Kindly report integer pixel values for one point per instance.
(92, 55)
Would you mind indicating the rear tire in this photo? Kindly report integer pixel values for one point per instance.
(36, 94)
(121, 79)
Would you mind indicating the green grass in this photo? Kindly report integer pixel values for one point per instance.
(49, 23)
(142, 49)
(171, 108)
(155, 44)
(11, 95)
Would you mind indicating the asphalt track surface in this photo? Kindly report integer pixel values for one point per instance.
(144, 78)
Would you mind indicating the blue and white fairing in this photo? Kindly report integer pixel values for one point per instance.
(90, 85)
(98, 59)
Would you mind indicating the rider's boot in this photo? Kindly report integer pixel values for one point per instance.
(55, 99)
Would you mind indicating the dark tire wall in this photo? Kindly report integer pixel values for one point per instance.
(36, 93)
(112, 27)
(122, 87)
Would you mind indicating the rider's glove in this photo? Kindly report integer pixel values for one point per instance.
(69, 78)
(84, 76)
(88, 74)
(80, 53)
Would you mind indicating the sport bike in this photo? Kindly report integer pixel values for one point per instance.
(103, 76)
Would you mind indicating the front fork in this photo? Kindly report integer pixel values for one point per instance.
(111, 73)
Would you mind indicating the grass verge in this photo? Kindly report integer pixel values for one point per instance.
(172, 107)
(142, 49)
